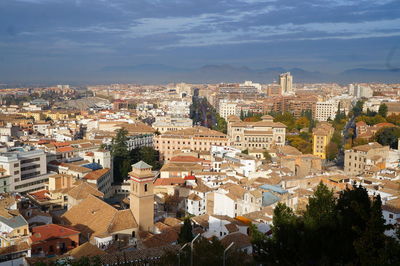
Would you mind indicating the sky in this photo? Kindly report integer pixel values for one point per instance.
(75, 40)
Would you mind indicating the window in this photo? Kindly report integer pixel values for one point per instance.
(145, 187)
(391, 216)
(16, 164)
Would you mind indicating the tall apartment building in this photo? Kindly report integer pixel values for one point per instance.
(286, 82)
(365, 158)
(322, 135)
(361, 91)
(27, 169)
(227, 108)
(326, 110)
(262, 134)
(195, 138)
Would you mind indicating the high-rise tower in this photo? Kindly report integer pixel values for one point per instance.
(286, 82)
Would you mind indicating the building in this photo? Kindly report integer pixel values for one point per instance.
(168, 123)
(196, 139)
(361, 91)
(286, 82)
(26, 167)
(102, 178)
(228, 108)
(262, 134)
(364, 158)
(142, 195)
(322, 135)
(53, 239)
(326, 110)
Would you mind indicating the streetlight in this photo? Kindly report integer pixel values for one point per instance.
(179, 254)
(226, 250)
(191, 249)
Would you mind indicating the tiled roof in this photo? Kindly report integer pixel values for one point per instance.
(240, 240)
(83, 190)
(49, 231)
(94, 175)
(86, 250)
(141, 165)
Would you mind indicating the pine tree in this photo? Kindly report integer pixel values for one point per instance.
(186, 233)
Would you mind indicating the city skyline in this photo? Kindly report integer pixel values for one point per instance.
(89, 41)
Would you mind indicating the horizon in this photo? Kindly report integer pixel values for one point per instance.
(79, 41)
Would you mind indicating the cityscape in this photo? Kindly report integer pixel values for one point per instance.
(243, 132)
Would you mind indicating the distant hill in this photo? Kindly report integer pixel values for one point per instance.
(154, 73)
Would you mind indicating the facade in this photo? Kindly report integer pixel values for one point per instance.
(196, 139)
(168, 123)
(322, 135)
(102, 178)
(142, 195)
(27, 169)
(364, 158)
(228, 108)
(262, 134)
(286, 82)
(326, 110)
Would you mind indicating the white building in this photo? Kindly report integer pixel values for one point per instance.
(168, 123)
(27, 169)
(286, 82)
(227, 108)
(326, 110)
(361, 91)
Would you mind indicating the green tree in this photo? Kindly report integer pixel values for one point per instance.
(332, 151)
(186, 233)
(388, 136)
(383, 110)
(358, 108)
(267, 156)
(120, 153)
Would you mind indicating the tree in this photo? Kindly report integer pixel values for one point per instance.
(394, 119)
(383, 110)
(267, 156)
(332, 151)
(221, 126)
(358, 108)
(147, 154)
(246, 151)
(186, 234)
(121, 159)
(302, 122)
(388, 136)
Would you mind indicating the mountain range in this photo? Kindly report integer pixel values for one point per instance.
(158, 73)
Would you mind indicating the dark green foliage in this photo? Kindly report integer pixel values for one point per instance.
(147, 154)
(383, 110)
(222, 125)
(267, 156)
(388, 136)
(246, 151)
(207, 252)
(344, 231)
(358, 108)
(119, 151)
(186, 234)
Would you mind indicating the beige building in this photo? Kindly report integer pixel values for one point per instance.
(326, 110)
(196, 139)
(262, 134)
(142, 195)
(168, 123)
(286, 82)
(227, 108)
(365, 158)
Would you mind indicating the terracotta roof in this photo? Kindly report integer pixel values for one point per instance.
(231, 228)
(22, 246)
(240, 240)
(193, 197)
(49, 231)
(65, 149)
(95, 217)
(169, 181)
(183, 159)
(94, 175)
(86, 250)
(83, 190)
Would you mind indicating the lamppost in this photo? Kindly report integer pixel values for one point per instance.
(226, 250)
(179, 253)
(191, 249)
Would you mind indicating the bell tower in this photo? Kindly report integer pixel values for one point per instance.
(142, 195)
